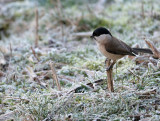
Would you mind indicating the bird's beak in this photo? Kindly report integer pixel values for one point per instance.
(92, 37)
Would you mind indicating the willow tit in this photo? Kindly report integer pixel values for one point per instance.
(113, 48)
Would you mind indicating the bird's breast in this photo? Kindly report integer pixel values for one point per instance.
(108, 54)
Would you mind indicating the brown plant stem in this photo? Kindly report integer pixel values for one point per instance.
(36, 28)
(109, 77)
(34, 53)
(54, 75)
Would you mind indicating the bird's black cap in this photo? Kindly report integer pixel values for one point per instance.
(99, 31)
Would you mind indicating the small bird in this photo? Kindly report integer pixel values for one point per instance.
(113, 48)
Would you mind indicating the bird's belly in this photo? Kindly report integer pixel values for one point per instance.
(109, 55)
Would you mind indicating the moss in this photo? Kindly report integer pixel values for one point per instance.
(93, 65)
(4, 28)
(140, 86)
(63, 58)
(69, 72)
(68, 85)
(71, 3)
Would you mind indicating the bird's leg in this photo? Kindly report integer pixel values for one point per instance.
(106, 61)
(111, 65)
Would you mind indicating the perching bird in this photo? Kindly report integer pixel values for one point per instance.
(113, 48)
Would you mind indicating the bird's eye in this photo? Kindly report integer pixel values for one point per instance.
(95, 34)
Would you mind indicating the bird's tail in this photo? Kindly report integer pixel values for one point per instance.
(143, 50)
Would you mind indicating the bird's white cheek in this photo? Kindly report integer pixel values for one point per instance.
(96, 38)
(100, 38)
(103, 38)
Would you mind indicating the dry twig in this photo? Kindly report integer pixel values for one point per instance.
(36, 34)
(8, 116)
(156, 53)
(2, 74)
(34, 53)
(83, 34)
(10, 47)
(89, 85)
(147, 92)
(54, 75)
(142, 9)
(139, 78)
(138, 117)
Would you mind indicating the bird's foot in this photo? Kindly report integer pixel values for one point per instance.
(109, 68)
(111, 65)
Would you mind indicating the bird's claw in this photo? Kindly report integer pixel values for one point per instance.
(108, 68)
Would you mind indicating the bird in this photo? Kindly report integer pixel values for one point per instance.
(113, 48)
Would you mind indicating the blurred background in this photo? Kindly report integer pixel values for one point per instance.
(127, 19)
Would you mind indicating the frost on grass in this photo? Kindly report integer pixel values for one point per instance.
(27, 89)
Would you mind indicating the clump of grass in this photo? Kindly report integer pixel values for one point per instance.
(4, 26)
(94, 65)
(68, 72)
(72, 71)
(63, 58)
(39, 106)
(84, 107)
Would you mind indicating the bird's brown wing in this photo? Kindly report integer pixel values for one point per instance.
(118, 47)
